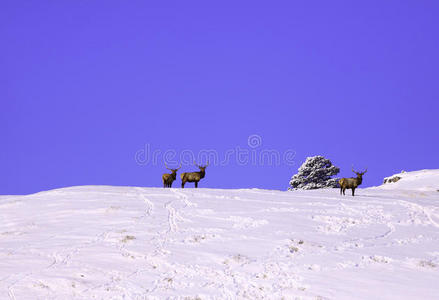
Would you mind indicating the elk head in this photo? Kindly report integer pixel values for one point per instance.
(174, 171)
(202, 168)
(359, 174)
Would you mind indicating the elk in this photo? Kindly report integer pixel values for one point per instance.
(168, 179)
(193, 176)
(351, 183)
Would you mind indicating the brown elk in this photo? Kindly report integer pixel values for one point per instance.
(193, 176)
(168, 179)
(351, 183)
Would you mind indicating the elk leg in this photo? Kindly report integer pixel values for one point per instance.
(182, 184)
(341, 191)
(196, 184)
(344, 189)
(353, 191)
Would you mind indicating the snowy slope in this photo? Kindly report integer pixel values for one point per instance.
(423, 180)
(102, 242)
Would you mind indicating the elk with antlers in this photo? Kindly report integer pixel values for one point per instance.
(168, 179)
(193, 176)
(351, 183)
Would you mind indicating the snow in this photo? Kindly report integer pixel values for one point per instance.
(105, 242)
(423, 180)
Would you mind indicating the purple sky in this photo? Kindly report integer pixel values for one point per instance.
(84, 85)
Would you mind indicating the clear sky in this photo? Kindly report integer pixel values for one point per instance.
(89, 88)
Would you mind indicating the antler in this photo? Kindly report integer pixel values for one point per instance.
(358, 172)
(200, 166)
(172, 169)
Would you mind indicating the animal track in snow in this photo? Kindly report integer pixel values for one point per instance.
(171, 217)
(149, 203)
(183, 197)
(419, 214)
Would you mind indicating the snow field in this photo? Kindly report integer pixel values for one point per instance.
(103, 242)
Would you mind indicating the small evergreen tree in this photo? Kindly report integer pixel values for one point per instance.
(315, 173)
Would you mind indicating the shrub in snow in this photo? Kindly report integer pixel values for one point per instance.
(315, 173)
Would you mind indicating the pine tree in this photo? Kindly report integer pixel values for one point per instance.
(315, 173)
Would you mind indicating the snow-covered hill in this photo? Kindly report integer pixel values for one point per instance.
(423, 180)
(102, 242)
